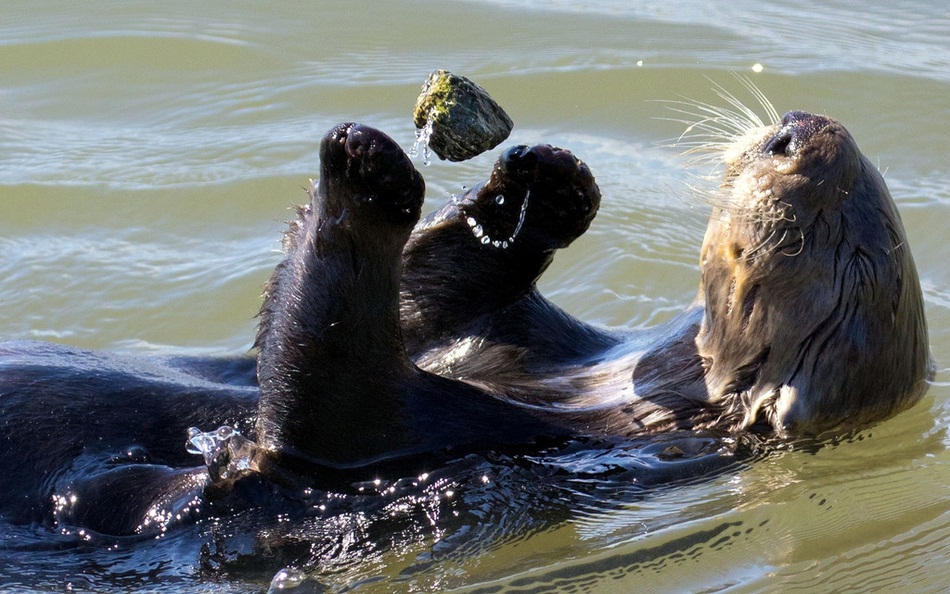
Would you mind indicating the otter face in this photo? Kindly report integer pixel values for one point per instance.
(814, 316)
(540, 196)
(781, 180)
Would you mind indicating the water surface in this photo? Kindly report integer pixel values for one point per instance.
(150, 154)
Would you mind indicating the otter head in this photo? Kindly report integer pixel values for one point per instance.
(540, 197)
(814, 317)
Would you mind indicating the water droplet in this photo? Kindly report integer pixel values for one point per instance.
(485, 239)
(422, 140)
(524, 209)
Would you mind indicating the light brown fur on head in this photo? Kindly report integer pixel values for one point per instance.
(814, 316)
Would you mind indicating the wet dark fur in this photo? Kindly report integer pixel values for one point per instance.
(490, 326)
(107, 429)
(812, 321)
(337, 386)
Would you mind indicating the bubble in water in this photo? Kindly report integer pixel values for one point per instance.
(227, 453)
(292, 580)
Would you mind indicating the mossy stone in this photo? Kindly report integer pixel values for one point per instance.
(465, 120)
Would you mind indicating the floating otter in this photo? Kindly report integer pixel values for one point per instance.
(97, 439)
(805, 263)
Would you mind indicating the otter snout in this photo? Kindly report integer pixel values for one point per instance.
(796, 128)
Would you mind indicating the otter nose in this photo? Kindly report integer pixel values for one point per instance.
(795, 116)
(796, 128)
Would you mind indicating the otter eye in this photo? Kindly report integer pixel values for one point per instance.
(779, 144)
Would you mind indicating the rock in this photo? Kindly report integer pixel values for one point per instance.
(464, 121)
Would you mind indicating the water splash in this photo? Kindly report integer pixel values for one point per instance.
(422, 141)
(479, 231)
(209, 444)
(293, 580)
(227, 454)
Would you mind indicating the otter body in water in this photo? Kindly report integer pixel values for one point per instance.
(337, 386)
(98, 440)
(809, 319)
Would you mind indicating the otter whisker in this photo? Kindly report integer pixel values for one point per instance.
(716, 122)
(895, 248)
(801, 245)
(702, 110)
(708, 116)
(721, 201)
(751, 115)
(704, 196)
(764, 247)
(770, 110)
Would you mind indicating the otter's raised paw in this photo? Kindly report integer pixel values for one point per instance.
(366, 168)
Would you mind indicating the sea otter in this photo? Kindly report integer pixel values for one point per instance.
(809, 316)
(804, 264)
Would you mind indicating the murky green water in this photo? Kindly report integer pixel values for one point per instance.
(149, 153)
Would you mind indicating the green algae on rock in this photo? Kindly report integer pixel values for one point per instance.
(462, 119)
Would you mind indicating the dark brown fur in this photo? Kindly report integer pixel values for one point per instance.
(814, 315)
(337, 387)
